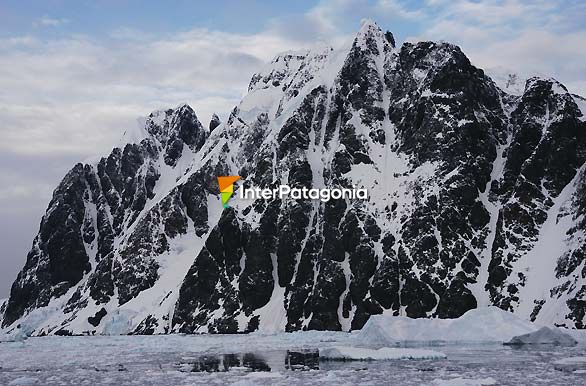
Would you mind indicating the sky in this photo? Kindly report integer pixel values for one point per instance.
(75, 74)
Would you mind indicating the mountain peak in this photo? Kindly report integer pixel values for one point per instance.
(371, 38)
(159, 124)
(548, 82)
(368, 24)
(465, 185)
(163, 124)
(176, 127)
(368, 29)
(214, 122)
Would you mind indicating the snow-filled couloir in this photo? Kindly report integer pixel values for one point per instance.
(476, 198)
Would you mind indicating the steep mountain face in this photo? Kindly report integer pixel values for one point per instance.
(2, 309)
(77, 256)
(476, 197)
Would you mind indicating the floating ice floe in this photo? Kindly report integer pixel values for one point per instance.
(572, 364)
(14, 337)
(385, 353)
(464, 382)
(488, 324)
(571, 360)
(544, 335)
(24, 381)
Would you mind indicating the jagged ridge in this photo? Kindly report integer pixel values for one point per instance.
(466, 184)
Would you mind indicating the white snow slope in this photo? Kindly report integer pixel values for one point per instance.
(387, 181)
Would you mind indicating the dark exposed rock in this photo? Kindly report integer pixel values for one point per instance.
(547, 148)
(214, 122)
(461, 178)
(58, 254)
(97, 318)
(95, 204)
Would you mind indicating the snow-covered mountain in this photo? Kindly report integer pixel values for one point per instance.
(476, 197)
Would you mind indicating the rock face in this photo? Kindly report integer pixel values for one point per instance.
(476, 197)
(2, 309)
(214, 122)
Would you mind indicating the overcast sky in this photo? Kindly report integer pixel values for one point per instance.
(75, 74)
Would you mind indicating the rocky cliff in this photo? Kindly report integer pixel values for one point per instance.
(476, 197)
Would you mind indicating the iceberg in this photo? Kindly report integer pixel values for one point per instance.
(487, 324)
(544, 335)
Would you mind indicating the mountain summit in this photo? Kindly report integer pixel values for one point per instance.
(476, 197)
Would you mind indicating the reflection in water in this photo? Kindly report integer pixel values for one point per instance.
(302, 360)
(226, 362)
(206, 363)
(231, 360)
(254, 363)
(293, 360)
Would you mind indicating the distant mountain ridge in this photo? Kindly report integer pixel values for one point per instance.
(476, 197)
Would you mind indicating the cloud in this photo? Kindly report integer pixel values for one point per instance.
(89, 90)
(528, 37)
(336, 19)
(396, 9)
(47, 21)
(26, 186)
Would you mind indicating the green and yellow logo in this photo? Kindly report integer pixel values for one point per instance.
(226, 184)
